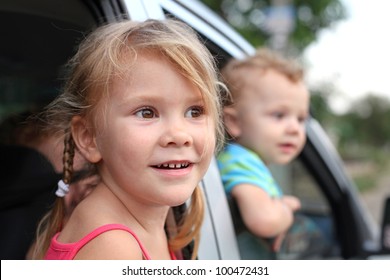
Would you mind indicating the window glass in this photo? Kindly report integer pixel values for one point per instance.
(34, 48)
(314, 222)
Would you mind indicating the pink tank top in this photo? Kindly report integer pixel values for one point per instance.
(67, 251)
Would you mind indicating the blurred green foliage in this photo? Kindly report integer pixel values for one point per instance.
(366, 123)
(362, 134)
(249, 17)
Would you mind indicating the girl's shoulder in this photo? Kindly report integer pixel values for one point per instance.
(100, 231)
(112, 241)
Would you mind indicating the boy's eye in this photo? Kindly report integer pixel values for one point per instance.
(301, 119)
(278, 115)
(146, 113)
(195, 112)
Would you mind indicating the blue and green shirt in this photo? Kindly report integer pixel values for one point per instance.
(239, 165)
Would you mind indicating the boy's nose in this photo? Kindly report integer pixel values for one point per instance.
(293, 125)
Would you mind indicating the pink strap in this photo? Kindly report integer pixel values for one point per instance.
(104, 229)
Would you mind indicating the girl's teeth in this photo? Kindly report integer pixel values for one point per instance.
(172, 165)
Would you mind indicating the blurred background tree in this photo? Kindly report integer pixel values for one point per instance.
(364, 138)
(367, 122)
(300, 20)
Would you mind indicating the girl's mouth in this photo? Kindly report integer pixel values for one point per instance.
(172, 165)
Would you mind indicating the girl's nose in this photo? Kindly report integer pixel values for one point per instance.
(176, 135)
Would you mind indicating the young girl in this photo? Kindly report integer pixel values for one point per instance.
(141, 104)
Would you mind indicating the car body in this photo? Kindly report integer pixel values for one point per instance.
(39, 36)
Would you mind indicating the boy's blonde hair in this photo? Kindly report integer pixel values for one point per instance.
(235, 77)
(107, 52)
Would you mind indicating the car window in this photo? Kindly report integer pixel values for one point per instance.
(36, 41)
(37, 38)
(315, 216)
(297, 180)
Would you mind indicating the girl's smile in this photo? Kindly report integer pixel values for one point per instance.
(173, 165)
(174, 169)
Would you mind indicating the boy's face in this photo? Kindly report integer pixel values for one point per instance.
(269, 118)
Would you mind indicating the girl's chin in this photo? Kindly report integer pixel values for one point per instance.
(178, 199)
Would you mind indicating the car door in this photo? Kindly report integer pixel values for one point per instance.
(39, 36)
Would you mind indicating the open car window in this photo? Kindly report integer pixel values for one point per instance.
(39, 36)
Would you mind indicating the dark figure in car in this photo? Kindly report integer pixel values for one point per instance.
(31, 165)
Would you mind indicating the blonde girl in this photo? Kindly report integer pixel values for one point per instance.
(141, 104)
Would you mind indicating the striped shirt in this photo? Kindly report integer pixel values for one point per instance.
(239, 165)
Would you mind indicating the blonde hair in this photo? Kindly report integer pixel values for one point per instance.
(235, 77)
(109, 51)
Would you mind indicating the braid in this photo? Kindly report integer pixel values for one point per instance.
(53, 220)
(69, 147)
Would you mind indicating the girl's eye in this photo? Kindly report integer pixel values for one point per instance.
(195, 112)
(145, 113)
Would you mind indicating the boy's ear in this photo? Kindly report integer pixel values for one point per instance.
(231, 122)
(85, 139)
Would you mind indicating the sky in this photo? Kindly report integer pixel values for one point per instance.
(354, 55)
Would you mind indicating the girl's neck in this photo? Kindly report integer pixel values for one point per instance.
(148, 218)
(146, 221)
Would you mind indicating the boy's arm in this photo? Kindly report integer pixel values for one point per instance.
(292, 202)
(264, 216)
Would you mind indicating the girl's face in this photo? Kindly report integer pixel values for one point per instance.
(158, 139)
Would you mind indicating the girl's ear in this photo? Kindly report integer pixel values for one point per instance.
(85, 139)
(232, 122)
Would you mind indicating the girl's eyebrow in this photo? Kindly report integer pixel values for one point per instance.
(140, 98)
(153, 98)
